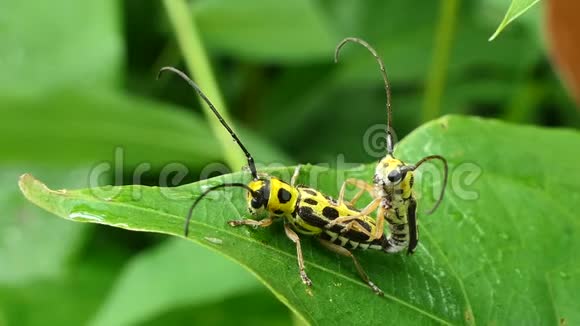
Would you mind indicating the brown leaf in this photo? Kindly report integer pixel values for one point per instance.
(563, 31)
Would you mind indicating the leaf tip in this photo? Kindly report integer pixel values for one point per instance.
(499, 29)
(25, 181)
(30, 187)
(514, 11)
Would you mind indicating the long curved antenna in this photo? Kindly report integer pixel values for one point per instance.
(445, 174)
(390, 145)
(223, 185)
(191, 83)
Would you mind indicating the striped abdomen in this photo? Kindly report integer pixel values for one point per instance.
(315, 210)
(402, 224)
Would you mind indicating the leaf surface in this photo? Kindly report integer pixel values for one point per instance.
(509, 201)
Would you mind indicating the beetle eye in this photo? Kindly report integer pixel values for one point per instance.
(255, 203)
(394, 176)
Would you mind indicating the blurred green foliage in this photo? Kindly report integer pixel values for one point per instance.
(78, 81)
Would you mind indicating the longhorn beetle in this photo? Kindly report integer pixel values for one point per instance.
(303, 209)
(393, 184)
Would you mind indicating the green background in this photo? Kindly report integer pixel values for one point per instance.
(78, 81)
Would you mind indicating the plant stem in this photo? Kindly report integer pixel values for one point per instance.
(197, 63)
(440, 61)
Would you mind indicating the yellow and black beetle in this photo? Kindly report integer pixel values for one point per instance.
(303, 209)
(393, 183)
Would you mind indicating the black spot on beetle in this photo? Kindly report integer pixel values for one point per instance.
(310, 201)
(284, 196)
(330, 212)
(278, 212)
(337, 228)
(356, 236)
(307, 214)
(364, 225)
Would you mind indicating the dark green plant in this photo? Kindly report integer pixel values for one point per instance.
(78, 90)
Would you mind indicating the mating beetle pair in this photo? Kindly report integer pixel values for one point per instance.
(336, 224)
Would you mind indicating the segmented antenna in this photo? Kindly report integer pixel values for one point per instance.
(445, 174)
(223, 185)
(390, 144)
(191, 83)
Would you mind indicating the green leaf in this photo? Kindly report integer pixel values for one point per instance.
(59, 43)
(267, 254)
(564, 284)
(191, 275)
(516, 9)
(275, 31)
(508, 219)
(72, 134)
(77, 127)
